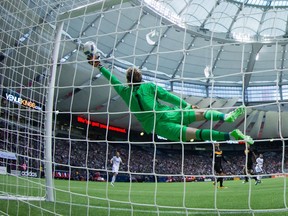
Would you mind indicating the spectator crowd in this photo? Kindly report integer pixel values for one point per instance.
(86, 159)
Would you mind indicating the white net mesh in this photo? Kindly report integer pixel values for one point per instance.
(182, 50)
(24, 73)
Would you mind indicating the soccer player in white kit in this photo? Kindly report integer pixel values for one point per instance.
(115, 161)
(259, 168)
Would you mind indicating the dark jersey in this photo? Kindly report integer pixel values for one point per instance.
(219, 157)
(250, 158)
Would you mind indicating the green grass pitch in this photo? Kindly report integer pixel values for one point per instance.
(193, 198)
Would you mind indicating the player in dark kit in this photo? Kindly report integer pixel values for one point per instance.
(249, 169)
(218, 158)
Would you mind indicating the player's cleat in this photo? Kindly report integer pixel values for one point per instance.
(244, 182)
(238, 135)
(257, 182)
(222, 187)
(214, 183)
(232, 116)
(112, 184)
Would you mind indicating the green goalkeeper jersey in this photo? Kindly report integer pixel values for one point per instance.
(143, 100)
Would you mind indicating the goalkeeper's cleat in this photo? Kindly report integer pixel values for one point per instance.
(232, 116)
(238, 135)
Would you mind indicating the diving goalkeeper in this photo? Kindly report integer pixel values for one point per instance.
(169, 122)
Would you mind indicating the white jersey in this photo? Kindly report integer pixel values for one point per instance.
(116, 163)
(259, 165)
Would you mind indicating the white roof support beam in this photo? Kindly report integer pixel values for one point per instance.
(154, 47)
(254, 132)
(89, 8)
(126, 33)
(281, 72)
(271, 125)
(209, 14)
(182, 59)
(250, 66)
(284, 129)
(234, 20)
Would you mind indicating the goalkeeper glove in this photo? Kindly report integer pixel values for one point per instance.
(94, 60)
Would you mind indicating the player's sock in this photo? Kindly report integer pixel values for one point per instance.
(232, 116)
(113, 179)
(221, 182)
(238, 135)
(214, 115)
(205, 134)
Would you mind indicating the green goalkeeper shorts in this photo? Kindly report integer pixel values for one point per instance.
(173, 124)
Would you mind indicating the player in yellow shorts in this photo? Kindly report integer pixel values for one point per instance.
(172, 123)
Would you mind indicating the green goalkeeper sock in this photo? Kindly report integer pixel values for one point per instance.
(216, 115)
(204, 134)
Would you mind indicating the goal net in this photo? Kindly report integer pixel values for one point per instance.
(62, 122)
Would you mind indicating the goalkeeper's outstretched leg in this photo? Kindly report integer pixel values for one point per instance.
(207, 134)
(214, 115)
